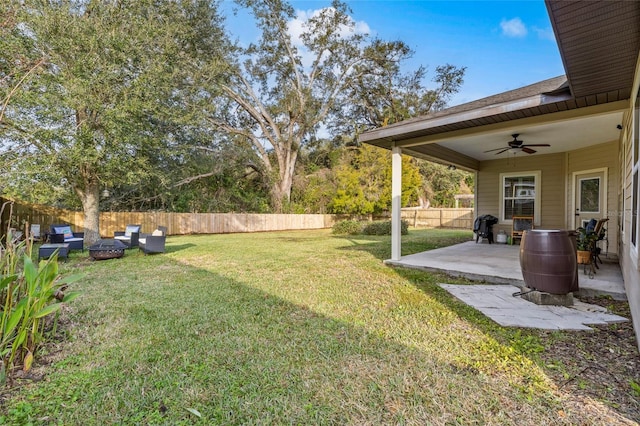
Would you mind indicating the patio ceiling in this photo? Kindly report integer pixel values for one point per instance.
(541, 113)
(563, 135)
(599, 43)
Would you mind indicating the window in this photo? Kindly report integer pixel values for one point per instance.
(520, 195)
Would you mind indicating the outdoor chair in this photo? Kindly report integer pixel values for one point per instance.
(14, 236)
(601, 232)
(63, 234)
(154, 242)
(130, 236)
(34, 232)
(519, 225)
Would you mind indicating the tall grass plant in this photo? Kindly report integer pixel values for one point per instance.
(29, 293)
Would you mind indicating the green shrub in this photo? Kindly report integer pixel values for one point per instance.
(384, 228)
(349, 227)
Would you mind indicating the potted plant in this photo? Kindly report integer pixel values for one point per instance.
(584, 245)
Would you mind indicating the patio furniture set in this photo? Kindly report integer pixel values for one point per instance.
(62, 239)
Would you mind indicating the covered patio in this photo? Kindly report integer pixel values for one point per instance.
(551, 150)
(560, 152)
(500, 264)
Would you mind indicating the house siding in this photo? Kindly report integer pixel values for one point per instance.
(553, 189)
(597, 157)
(628, 257)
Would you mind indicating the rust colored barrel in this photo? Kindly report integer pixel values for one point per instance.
(548, 261)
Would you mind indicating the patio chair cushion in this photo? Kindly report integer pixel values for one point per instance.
(155, 233)
(35, 231)
(68, 240)
(64, 230)
(130, 229)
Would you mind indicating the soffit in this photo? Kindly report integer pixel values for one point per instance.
(599, 42)
(546, 97)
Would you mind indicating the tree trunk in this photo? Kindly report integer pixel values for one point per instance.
(277, 197)
(281, 189)
(90, 196)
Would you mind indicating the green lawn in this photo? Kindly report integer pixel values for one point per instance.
(281, 328)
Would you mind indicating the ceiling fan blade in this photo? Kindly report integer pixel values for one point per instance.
(504, 150)
(497, 149)
(528, 150)
(536, 144)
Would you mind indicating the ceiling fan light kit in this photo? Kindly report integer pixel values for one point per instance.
(517, 145)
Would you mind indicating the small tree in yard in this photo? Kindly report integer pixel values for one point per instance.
(363, 180)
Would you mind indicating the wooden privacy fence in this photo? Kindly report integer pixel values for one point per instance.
(213, 223)
(439, 218)
(219, 223)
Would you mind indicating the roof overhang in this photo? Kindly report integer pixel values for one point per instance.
(555, 111)
(599, 43)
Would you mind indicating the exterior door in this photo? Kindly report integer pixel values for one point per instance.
(590, 191)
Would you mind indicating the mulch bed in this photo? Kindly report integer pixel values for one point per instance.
(602, 365)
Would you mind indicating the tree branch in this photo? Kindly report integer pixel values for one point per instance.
(239, 132)
(15, 88)
(192, 178)
(260, 116)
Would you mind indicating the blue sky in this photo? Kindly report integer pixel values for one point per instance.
(503, 44)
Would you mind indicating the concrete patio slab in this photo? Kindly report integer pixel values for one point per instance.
(499, 303)
(500, 264)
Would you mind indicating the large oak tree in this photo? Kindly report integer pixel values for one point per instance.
(116, 78)
(293, 81)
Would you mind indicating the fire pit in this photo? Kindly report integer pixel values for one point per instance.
(107, 249)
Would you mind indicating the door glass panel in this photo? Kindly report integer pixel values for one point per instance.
(590, 195)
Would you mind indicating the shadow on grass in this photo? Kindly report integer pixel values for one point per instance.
(415, 242)
(167, 339)
(172, 248)
(428, 282)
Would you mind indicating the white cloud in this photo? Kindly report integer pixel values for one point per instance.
(545, 33)
(513, 27)
(362, 28)
(297, 25)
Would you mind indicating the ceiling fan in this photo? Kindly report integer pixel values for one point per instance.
(517, 144)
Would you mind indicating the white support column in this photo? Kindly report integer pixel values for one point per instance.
(396, 202)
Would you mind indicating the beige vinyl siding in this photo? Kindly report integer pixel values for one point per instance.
(622, 176)
(627, 182)
(597, 157)
(552, 187)
(628, 259)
